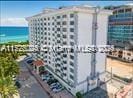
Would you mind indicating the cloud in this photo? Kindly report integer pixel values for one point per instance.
(13, 22)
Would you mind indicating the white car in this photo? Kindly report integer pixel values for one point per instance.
(54, 85)
(57, 89)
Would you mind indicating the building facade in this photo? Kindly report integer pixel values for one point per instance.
(120, 30)
(71, 26)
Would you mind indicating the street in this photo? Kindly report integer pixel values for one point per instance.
(30, 88)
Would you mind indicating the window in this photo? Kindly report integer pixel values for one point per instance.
(72, 57)
(64, 23)
(71, 43)
(71, 15)
(71, 77)
(71, 29)
(58, 17)
(71, 36)
(64, 62)
(128, 10)
(121, 11)
(64, 74)
(58, 29)
(71, 70)
(58, 23)
(64, 55)
(65, 68)
(64, 43)
(64, 16)
(71, 63)
(64, 36)
(128, 54)
(58, 41)
(64, 29)
(58, 35)
(71, 22)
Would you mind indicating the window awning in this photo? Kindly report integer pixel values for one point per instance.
(38, 63)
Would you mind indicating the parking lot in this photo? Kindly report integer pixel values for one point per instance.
(29, 87)
(51, 85)
(54, 84)
(120, 68)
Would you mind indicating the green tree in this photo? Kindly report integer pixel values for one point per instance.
(79, 95)
(7, 88)
(8, 67)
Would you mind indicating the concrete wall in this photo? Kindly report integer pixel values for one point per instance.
(84, 38)
(101, 40)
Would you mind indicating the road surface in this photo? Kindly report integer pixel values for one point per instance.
(30, 88)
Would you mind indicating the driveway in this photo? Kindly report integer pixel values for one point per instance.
(30, 88)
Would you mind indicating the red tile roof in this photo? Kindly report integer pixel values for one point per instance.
(38, 63)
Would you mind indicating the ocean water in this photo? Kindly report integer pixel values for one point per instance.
(17, 34)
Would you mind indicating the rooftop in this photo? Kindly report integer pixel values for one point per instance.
(38, 63)
(80, 8)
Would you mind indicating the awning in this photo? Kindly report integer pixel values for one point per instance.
(38, 63)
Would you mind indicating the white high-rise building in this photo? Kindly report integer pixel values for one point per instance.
(71, 26)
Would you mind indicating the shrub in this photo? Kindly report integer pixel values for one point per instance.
(79, 95)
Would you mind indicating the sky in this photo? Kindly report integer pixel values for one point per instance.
(13, 13)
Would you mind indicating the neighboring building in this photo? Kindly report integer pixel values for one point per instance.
(71, 26)
(120, 29)
(125, 55)
(125, 92)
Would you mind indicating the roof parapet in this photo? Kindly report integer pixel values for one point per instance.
(47, 10)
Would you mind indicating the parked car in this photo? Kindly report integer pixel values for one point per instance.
(57, 89)
(17, 84)
(52, 80)
(54, 85)
(30, 61)
(48, 78)
(43, 73)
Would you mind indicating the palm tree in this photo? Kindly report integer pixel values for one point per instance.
(9, 67)
(7, 88)
(7, 85)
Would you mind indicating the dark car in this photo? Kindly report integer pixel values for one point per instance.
(17, 84)
(30, 61)
(52, 81)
